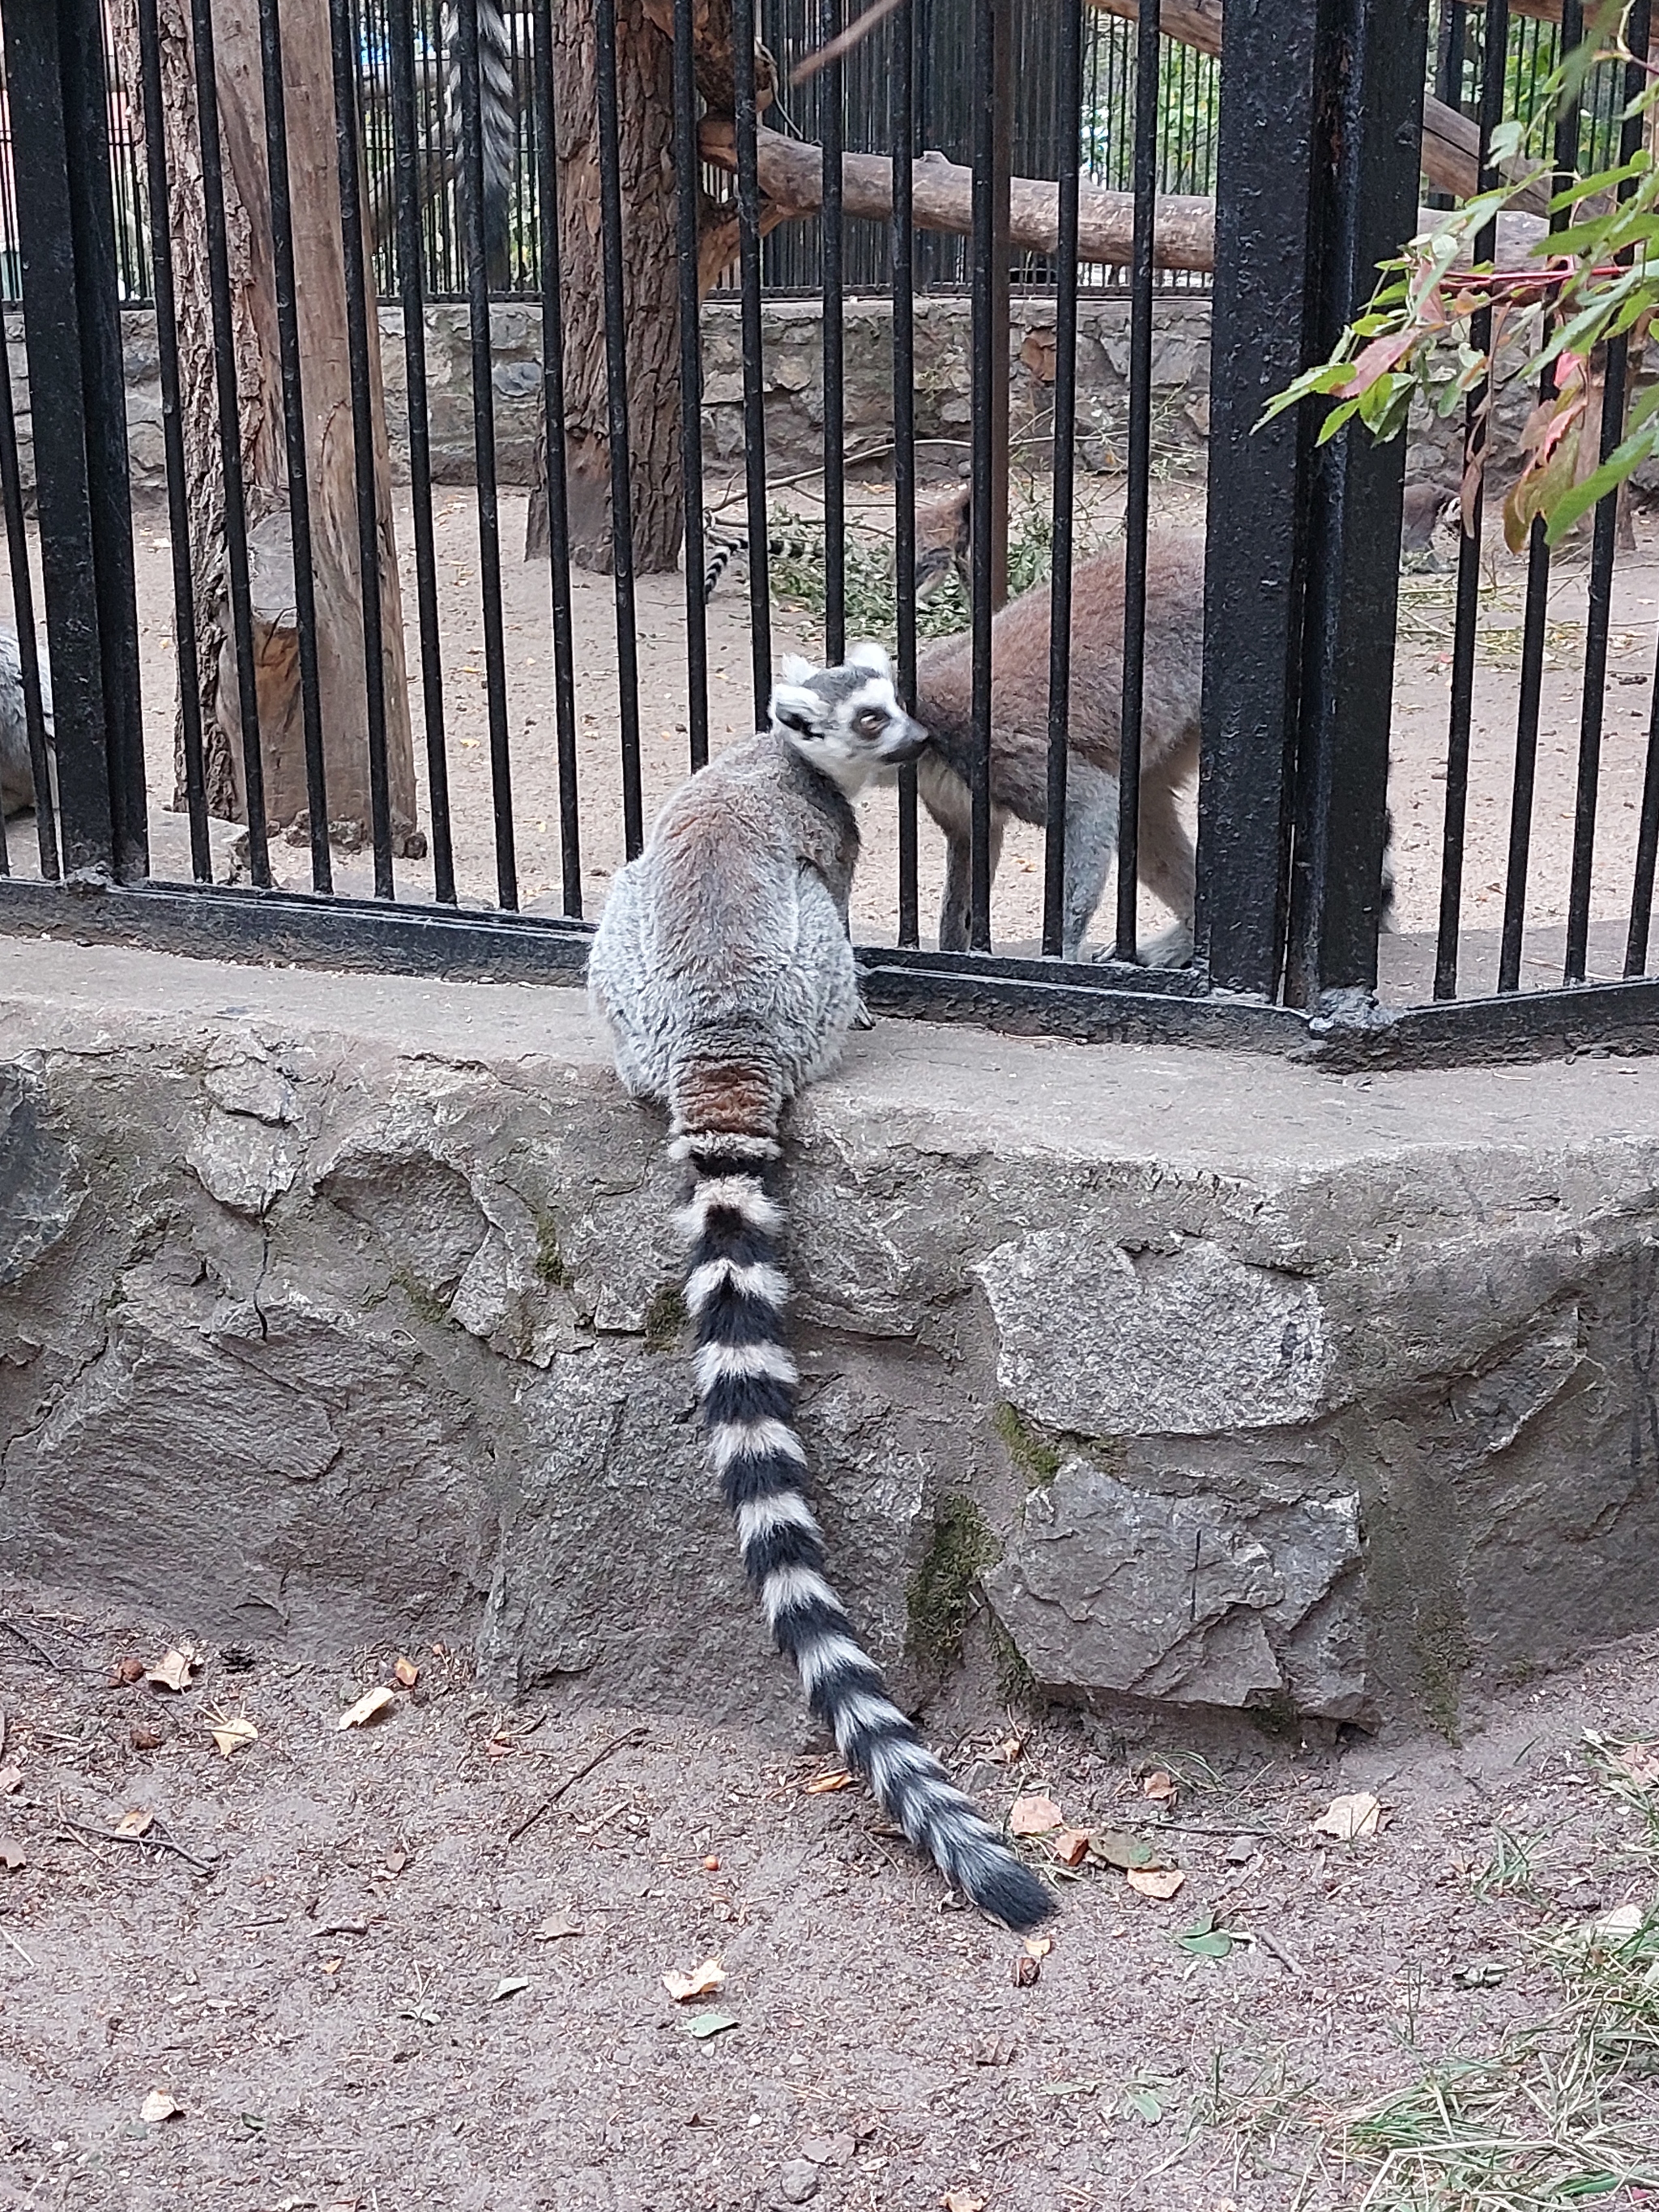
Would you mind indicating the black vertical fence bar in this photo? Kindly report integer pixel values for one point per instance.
(1369, 114)
(904, 442)
(1140, 463)
(745, 122)
(686, 173)
(835, 472)
(1476, 438)
(44, 145)
(986, 366)
(1265, 330)
(1070, 102)
(995, 508)
(230, 442)
(109, 474)
(173, 437)
(483, 451)
(293, 431)
(22, 601)
(344, 42)
(1598, 614)
(406, 157)
(1534, 621)
(558, 511)
(615, 393)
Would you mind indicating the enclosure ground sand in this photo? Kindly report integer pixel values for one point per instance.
(364, 1989)
(1417, 779)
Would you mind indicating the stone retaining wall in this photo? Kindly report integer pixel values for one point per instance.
(335, 1307)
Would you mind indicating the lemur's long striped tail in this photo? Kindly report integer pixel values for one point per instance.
(735, 1291)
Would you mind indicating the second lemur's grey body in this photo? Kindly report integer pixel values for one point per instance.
(722, 968)
(1172, 694)
(16, 775)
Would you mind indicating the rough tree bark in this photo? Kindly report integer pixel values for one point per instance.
(321, 286)
(645, 103)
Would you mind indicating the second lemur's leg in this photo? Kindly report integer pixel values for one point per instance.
(1169, 869)
(1090, 847)
(956, 907)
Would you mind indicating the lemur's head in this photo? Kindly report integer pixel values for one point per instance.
(846, 721)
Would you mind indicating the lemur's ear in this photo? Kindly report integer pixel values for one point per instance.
(868, 654)
(794, 670)
(794, 707)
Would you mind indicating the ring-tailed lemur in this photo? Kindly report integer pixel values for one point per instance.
(498, 113)
(723, 968)
(1172, 693)
(16, 775)
(1172, 696)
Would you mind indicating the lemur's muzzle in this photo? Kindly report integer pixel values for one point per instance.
(901, 741)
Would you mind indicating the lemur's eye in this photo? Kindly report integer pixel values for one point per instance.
(871, 722)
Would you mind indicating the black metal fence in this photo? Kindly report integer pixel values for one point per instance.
(1312, 681)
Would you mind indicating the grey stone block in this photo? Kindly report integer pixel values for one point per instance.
(341, 1307)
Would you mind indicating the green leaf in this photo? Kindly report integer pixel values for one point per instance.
(705, 2024)
(1506, 142)
(1619, 463)
(1144, 2103)
(1335, 421)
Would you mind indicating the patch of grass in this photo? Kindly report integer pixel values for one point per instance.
(1510, 1870)
(937, 1595)
(1037, 1459)
(1562, 2114)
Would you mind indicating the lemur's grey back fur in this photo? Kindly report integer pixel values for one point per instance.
(16, 776)
(722, 966)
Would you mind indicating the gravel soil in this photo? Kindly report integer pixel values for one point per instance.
(372, 1974)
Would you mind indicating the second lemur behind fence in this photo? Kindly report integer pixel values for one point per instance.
(723, 968)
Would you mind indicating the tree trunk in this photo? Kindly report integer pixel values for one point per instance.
(645, 101)
(320, 291)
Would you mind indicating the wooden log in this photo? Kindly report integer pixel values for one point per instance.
(792, 177)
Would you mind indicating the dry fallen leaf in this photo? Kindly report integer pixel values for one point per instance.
(142, 1737)
(371, 1701)
(159, 2106)
(1070, 1846)
(1039, 1946)
(396, 1861)
(11, 1777)
(1155, 1881)
(701, 1982)
(1027, 1972)
(557, 1924)
(233, 1732)
(1641, 1762)
(821, 1785)
(958, 2200)
(138, 1820)
(173, 1670)
(508, 1986)
(1160, 1783)
(1113, 1848)
(11, 1857)
(1033, 1816)
(1348, 1819)
(128, 1671)
(407, 1674)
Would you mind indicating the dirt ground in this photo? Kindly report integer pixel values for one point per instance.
(368, 1977)
(1417, 782)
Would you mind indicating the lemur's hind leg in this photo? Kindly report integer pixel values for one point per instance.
(1090, 847)
(1169, 868)
(956, 907)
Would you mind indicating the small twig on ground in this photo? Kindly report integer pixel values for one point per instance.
(30, 1643)
(9, 1938)
(547, 1804)
(1275, 1950)
(155, 1834)
(1223, 1828)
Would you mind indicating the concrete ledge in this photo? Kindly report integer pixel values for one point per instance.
(337, 1306)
